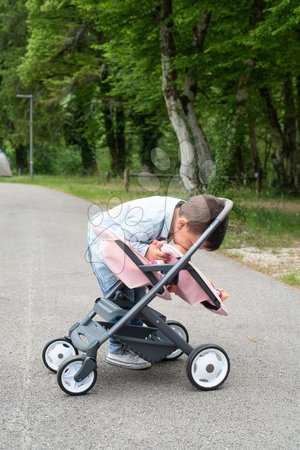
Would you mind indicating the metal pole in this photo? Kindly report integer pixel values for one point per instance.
(31, 139)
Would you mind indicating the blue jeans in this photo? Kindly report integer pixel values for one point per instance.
(134, 295)
(105, 277)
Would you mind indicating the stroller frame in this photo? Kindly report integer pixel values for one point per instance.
(154, 342)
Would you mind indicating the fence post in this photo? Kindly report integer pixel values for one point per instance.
(126, 179)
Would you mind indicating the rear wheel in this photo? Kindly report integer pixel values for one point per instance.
(182, 331)
(57, 351)
(207, 367)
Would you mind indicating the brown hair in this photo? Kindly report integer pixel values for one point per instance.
(200, 211)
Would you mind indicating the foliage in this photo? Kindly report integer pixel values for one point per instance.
(85, 61)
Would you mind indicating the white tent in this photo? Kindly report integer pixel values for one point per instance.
(4, 166)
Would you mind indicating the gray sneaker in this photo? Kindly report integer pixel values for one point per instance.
(128, 360)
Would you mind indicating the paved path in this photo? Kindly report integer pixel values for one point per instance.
(46, 285)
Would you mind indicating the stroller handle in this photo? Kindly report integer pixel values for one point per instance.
(228, 204)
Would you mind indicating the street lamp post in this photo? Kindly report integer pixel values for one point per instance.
(30, 132)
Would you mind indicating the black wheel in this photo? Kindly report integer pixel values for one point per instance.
(57, 351)
(182, 331)
(66, 373)
(207, 367)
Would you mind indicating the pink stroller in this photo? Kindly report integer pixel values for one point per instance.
(207, 365)
(123, 260)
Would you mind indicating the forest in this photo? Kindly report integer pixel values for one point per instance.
(205, 89)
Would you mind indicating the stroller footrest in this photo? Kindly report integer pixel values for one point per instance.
(150, 346)
(83, 335)
(107, 309)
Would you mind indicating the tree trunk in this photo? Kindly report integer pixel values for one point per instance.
(76, 134)
(114, 124)
(298, 109)
(21, 159)
(289, 129)
(257, 166)
(237, 125)
(276, 134)
(87, 155)
(188, 165)
(149, 132)
(150, 137)
(120, 140)
(190, 92)
(240, 176)
(110, 135)
(194, 151)
(297, 155)
(199, 140)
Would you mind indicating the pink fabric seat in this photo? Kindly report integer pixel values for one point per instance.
(188, 288)
(126, 270)
(121, 265)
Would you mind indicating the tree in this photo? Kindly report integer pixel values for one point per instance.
(278, 88)
(224, 75)
(247, 58)
(13, 35)
(181, 108)
(67, 67)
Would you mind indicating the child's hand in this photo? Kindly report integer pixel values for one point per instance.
(154, 252)
(158, 244)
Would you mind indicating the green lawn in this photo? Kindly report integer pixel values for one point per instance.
(264, 227)
(97, 190)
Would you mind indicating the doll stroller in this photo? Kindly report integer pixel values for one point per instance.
(207, 366)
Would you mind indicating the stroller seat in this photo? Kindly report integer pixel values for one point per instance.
(134, 270)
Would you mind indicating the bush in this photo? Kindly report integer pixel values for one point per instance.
(68, 161)
(52, 160)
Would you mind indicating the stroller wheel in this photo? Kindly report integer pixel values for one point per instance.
(182, 331)
(207, 367)
(57, 351)
(67, 372)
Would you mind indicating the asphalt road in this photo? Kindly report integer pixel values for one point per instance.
(47, 285)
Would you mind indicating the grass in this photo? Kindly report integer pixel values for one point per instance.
(291, 278)
(261, 227)
(96, 190)
(266, 222)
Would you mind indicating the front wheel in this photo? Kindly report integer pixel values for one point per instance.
(182, 331)
(207, 367)
(57, 351)
(67, 372)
